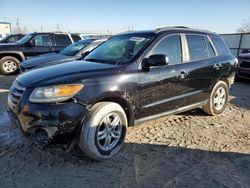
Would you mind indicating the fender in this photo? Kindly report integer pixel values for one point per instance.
(19, 53)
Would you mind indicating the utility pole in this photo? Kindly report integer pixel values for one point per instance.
(57, 27)
(18, 26)
(41, 28)
(4, 18)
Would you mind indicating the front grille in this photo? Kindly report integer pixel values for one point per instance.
(245, 64)
(16, 92)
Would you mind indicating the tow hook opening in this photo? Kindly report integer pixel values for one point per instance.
(41, 135)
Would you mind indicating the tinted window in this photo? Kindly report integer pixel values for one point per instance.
(62, 40)
(13, 38)
(211, 51)
(76, 38)
(197, 47)
(220, 45)
(42, 40)
(74, 48)
(170, 46)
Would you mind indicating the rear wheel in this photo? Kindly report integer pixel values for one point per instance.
(8, 65)
(216, 103)
(104, 131)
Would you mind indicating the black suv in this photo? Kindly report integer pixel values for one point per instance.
(31, 45)
(130, 78)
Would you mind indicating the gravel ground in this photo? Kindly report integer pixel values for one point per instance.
(186, 150)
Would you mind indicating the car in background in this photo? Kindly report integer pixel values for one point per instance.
(72, 52)
(243, 68)
(94, 36)
(31, 45)
(12, 38)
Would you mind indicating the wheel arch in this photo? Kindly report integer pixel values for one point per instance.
(18, 55)
(124, 104)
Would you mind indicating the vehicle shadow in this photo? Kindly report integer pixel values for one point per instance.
(240, 92)
(137, 165)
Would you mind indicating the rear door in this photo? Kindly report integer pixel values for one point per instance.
(61, 41)
(202, 69)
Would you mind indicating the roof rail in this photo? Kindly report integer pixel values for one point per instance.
(169, 27)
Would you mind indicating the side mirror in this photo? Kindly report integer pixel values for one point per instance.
(155, 60)
(31, 43)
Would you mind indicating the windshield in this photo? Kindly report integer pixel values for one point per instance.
(120, 49)
(5, 38)
(74, 48)
(25, 39)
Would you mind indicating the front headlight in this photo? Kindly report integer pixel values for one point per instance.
(56, 93)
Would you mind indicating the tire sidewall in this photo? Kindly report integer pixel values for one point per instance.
(88, 138)
(4, 59)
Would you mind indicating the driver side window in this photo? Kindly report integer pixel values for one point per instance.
(171, 47)
(42, 40)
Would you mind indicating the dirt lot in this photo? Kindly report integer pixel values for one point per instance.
(186, 150)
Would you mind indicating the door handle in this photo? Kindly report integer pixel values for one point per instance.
(182, 75)
(217, 66)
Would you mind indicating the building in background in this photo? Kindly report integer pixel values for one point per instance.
(5, 29)
(237, 42)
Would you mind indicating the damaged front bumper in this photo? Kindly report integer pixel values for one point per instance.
(43, 122)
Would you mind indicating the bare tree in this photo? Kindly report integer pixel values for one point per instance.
(245, 27)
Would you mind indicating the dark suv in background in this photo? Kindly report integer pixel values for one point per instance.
(131, 78)
(243, 69)
(31, 45)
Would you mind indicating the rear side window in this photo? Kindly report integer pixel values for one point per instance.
(220, 46)
(62, 40)
(75, 37)
(197, 47)
(171, 47)
(211, 52)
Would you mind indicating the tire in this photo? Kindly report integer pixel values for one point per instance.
(216, 103)
(98, 139)
(9, 65)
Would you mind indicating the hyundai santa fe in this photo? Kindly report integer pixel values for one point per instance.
(129, 79)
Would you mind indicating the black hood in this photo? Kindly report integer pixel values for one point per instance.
(9, 46)
(46, 60)
(64, 73)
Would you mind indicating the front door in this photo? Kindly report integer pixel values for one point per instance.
(161, 88)
(40, 44)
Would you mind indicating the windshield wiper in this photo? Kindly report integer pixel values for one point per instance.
(100, 60)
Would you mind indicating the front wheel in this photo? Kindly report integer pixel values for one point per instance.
(216, 103)
(103, 133)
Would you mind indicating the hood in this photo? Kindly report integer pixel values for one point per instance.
(8, 46)
(45, 60)
(64, 73)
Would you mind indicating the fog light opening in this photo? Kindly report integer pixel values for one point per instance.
(41, 135)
